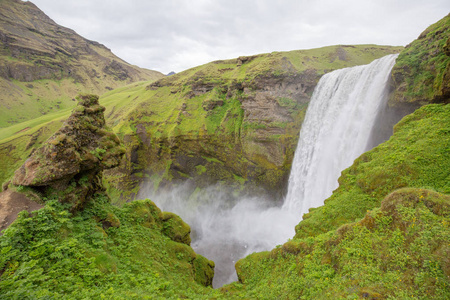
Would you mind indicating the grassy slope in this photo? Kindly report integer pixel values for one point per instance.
(44, 65)
(162, 105)
(102, 252)
(416, 156)
(398, 251)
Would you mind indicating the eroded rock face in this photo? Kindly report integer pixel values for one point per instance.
(11, 203)
(70, 163)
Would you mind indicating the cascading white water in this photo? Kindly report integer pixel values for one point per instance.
(336, 130)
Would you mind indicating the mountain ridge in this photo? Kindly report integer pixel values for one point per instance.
(45, 65)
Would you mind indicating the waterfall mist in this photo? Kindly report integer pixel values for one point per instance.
(336, 130)
(226, 228)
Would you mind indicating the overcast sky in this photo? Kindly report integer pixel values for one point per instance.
(174, 35)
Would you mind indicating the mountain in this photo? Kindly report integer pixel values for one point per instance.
(43, 65)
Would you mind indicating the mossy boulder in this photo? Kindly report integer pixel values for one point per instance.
(70, 164)
(175, 228)
(203, 270)
(147, 214)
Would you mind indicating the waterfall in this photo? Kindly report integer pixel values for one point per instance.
(336, 130)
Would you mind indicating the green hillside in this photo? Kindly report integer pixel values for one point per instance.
(351, 248)
(394, 249)
(44, 66)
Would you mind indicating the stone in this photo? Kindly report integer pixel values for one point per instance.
(71, 161)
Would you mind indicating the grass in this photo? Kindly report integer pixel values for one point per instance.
(398, 251)
(417, 155)
(100, 252)
(382, 234)
(396, 248)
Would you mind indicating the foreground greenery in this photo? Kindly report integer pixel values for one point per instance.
(102, 252)
(398, 251)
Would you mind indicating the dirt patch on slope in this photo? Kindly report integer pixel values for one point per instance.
(11, 203)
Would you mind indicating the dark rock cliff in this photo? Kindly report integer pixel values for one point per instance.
(420, 76)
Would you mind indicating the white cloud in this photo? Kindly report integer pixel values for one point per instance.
(176, 35)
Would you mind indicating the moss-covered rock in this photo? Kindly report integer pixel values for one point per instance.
(70, 163)
(203, 270)
(175, 228)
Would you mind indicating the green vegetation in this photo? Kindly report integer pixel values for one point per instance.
(422, 71)
(101, 252)
(417, 155)
(382, 234)
(398, 251)
(396, 248)
(358, 245)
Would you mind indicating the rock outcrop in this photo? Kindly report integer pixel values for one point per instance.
(69, 165)
(421, 74)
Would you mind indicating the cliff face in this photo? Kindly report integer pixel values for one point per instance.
(421, 74)
(235, 121)
(43, 66)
